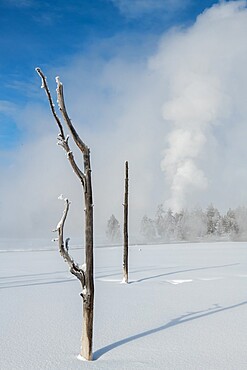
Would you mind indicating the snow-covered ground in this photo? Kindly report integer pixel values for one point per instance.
(185, 308)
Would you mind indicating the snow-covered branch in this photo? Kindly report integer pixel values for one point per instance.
(61, 103)
(75, 269)
(52, 106)
(65, 145)
(86, 276)
(62, 140)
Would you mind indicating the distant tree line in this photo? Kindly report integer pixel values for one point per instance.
(195, 224)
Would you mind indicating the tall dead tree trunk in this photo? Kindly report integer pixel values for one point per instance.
(126, 241)
(84, 273)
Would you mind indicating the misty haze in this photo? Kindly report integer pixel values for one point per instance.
(161, 84)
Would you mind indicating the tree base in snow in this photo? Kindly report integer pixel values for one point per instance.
(81, 358)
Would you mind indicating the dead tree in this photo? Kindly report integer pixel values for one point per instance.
(126, 241)
(84, 273)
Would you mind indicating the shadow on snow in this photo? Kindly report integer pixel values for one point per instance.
(177, 321)
(181, 271)
(27, 280)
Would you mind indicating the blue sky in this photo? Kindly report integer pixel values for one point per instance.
(158, 82)
(49, 32)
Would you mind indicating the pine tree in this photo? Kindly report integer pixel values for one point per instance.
(214, 221)
(181, 225)
(113, 229)
(160, 221)
(169, 225)
(241, 220)
(230, 224)
(148, 229)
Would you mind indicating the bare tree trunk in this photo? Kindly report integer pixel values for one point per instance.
(126, 242)
(86, 274)
(88, 303)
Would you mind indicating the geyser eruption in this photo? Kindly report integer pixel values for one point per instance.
(192, 111)
(201, 68)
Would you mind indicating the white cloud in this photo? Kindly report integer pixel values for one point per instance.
(185, 109)
(115, 111)
(204, 70)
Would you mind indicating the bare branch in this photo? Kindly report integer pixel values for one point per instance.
(62, 140)
(61, 103)
(65, 145)
(85, 275)
(52, 106)
(64, 248)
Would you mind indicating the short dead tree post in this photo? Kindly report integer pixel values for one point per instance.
(126, 241)
(85, 273)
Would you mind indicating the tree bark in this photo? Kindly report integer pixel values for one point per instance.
(126, 242)
(88, 303)
(86, 276)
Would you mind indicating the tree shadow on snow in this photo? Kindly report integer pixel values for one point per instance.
(133, 271)
(37, 283)
(32, 275)
(180, 271)
(190, 316)
(27, 280)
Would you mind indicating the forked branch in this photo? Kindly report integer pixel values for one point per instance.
(61, 103)
(62, 140)
(52, 106)
(86, 276)
(65, 145)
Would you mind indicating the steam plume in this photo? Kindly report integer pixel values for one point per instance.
(195, 64)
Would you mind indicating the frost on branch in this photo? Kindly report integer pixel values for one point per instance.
(58, 80)
(86, 276)
(75, 269)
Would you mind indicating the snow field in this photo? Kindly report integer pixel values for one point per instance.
(185, 308)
